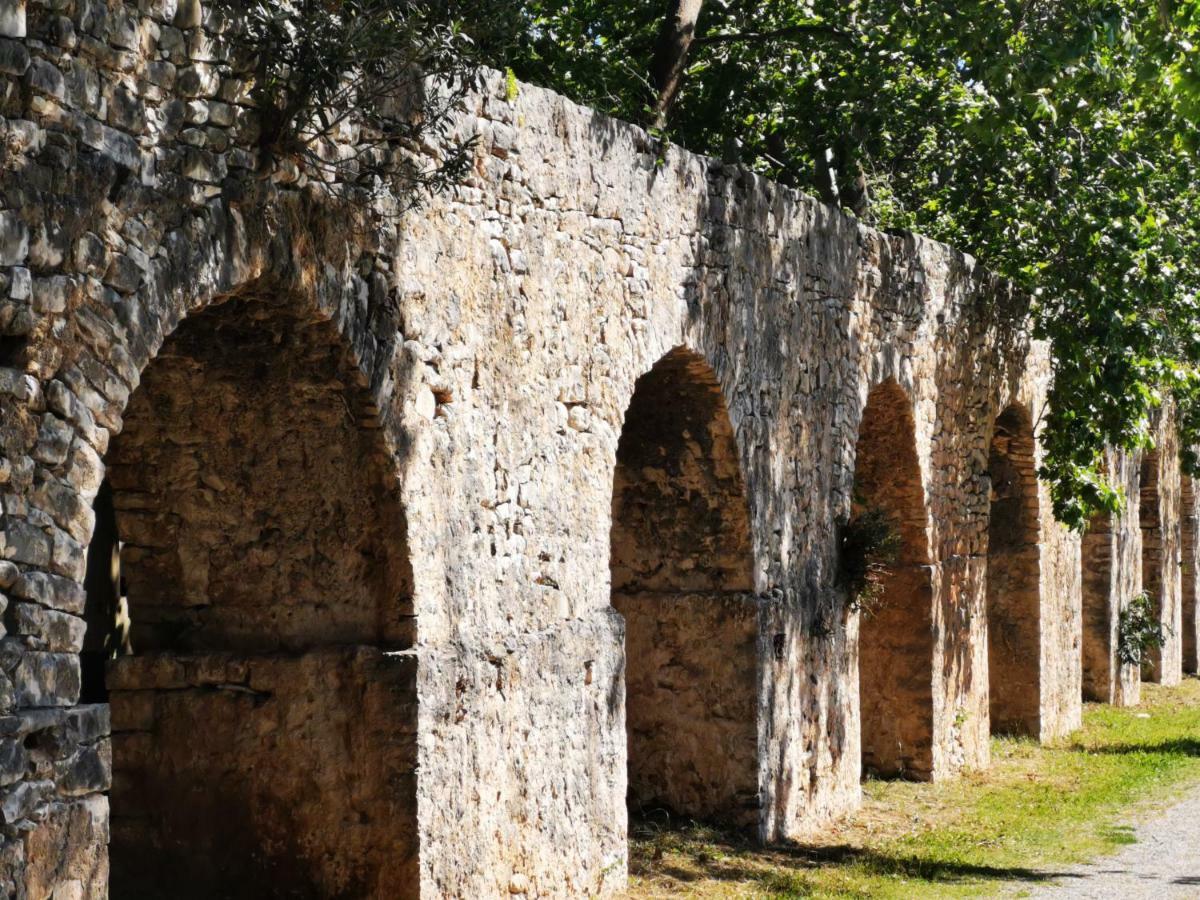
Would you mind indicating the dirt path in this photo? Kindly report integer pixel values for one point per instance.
(1164, 863)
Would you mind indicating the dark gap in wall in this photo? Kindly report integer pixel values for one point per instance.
(102, 583)
(12, 350)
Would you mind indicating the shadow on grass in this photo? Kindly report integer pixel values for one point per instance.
(1119, 835)
(720, 855)
(1173, 747)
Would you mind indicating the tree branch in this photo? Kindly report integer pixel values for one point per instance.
(675, 38)
(811, 28)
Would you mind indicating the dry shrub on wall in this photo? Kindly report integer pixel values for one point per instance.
(869, 548)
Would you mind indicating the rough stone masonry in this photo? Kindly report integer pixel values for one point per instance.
(448, 539)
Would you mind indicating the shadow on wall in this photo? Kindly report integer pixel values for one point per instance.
(259, 723)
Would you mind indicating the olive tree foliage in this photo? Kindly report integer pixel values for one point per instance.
(1054, 139)
(356, 90)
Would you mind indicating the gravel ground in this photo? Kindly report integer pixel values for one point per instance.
(1164, 863)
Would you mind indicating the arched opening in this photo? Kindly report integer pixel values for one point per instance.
(1190, 549)
(895, 642)
(1161, 568)
(1110, 576)
(682, 577)
(1101, 610)
(1014, 578)
(264, 717)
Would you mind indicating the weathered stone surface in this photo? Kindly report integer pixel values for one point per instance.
(14, 58)
(50, 591)
(14, 761)
(55, 631)
(14, 239)
(348, 429)
(12, 18)
(47, 679)
(43, 77)
(296, 820)
(17, 801)
(66, 850)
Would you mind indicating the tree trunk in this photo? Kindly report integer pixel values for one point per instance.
(670, 54)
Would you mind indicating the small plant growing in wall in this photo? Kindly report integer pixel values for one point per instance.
(870, 547)
(1139, 630)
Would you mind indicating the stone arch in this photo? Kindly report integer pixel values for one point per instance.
(896, 640)
(1190, 551)
(264, 722)
(1014, 577)
(682, 577)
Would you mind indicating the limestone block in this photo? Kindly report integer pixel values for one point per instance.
(14, 58)
(66, 850)
(199, 80)
(21, 285)
(12, 18)
(117, 146)
(89, 771)
(14, 239)
(18, 801)
(47, 679)
(51, 591)
(14, 760)
(44, 78)
(55, 631)
(23, 543)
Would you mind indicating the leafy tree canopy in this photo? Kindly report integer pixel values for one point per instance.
(1054, 139)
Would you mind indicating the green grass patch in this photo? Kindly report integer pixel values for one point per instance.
(1035, 810)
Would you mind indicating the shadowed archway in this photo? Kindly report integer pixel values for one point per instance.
(682, 577)
(1014, 614)
(896, 641)
(1190, 583)
(264, 712)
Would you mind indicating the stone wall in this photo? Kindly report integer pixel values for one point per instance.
(414, 474)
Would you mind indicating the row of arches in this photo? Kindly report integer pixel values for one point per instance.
(264, 694)
(897, 636)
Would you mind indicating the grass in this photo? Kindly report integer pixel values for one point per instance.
(1035, 809)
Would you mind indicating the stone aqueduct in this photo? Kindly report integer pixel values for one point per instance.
(444, 533)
